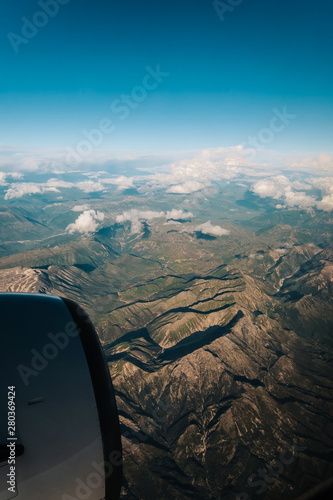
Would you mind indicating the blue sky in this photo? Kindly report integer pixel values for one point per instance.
(224, 77)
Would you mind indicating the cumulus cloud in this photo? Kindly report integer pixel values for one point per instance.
(121, 182)
(54, 185)
(90, 186)
(273, 187)
(3, 181)
(280, 251)
(87, 222)
(281, 188)
(137, 217)
(326, 203)
(190, 175)
(209, 228)
(230, 163)
(178, 215)
(4, 176)
(80, 208)
(325, 184)
(186, 188)
(26, 188)
(20, 189)
(298, 199)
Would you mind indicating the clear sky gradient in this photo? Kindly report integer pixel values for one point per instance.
(225, 77)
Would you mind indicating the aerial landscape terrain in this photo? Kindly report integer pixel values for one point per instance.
(168, 166)
(212, 300)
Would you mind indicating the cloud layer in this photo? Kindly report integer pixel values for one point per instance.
(270, 175)
(19, 189)
(294, 194)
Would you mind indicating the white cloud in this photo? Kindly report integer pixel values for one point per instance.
(19, 189)
(5, 175)
(280, 251)
(298, 185)
(26, 188)
(194, 174)
(30, 164)
(274, 187)
(90, 186)
(80, 208)
(324, 162)
(95, 175)
(281, 188)
(54, 182)
(36, 162)
(186, 188)
(3, 179)
(136, 217)
(121, 182)
(298, 199)
(326, 203)
(208, 228)
(183, 176)
(172, 223)
(325, 184)
(178, 214)
(87, 222)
